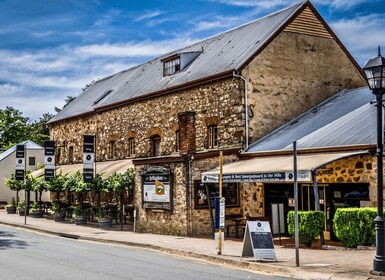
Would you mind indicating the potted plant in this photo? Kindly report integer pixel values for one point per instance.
(78, 215)
(35, 211)
(57, 211)
(11, 208)
(104, 220)
(21, 208)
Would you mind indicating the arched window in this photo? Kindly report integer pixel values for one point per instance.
(155, 145)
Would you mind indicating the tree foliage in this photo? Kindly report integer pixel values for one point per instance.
(15, 128)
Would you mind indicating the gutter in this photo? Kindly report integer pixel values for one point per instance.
(235, 74)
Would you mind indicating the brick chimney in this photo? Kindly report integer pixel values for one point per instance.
(187, 133)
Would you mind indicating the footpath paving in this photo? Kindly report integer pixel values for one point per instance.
(314, 264)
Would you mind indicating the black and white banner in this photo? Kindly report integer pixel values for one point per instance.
(88, 158)
(20, 162)
(49, 160)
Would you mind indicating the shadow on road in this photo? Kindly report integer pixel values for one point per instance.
(7, 242)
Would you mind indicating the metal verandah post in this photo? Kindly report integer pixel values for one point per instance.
(379, 259)
(296, 230)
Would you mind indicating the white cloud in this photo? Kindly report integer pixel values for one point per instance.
(147, 15)
(35, 82)
(340, 4)
(361, 35)
(133, 49)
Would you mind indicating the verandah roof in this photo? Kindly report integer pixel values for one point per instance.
(105, 168)
(275, 168)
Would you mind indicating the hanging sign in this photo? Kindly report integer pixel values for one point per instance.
(258, 241)
(20, 162)
(88, 158)
(49, 160)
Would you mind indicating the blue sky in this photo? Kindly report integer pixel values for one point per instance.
(51, 49)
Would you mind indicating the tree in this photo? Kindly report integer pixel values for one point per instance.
(14, 185)
(14, 127)
(68, 100)
(39, 130)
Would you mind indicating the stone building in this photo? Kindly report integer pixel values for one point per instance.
(172, 115)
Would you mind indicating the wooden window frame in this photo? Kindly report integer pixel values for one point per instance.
(171, 66)
(131, 147)
(71, 154)
(177, 140)
(212, 136)
(156, 139)
(112, 151)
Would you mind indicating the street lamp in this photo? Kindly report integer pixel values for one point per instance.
(375, 74)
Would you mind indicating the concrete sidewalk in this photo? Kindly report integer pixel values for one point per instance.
(314, 264)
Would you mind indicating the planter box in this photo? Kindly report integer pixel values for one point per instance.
(105, 223)
(21, 211)
(36, 213)
(80, 220)
(59, 217)
(11, 209)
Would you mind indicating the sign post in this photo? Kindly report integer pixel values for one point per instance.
(220, 208)
(49, 160)
(88, 158)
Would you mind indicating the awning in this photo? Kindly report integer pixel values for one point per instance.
(105, 168)
(274, 168)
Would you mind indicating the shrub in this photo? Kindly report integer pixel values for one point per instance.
(310, 225)
(355, 226)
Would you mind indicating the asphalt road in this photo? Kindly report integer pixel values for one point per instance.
(29, 255)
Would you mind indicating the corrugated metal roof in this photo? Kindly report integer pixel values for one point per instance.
(219, 54)
(30, 145)
(344, 119)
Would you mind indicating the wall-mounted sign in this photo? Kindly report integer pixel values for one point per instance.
(257, 177)
(49, 160)
(157, 188)
(88, 158)
(20, 162)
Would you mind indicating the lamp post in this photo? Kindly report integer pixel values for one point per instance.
(375, 74)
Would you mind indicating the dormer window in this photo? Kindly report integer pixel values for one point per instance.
(171, 66)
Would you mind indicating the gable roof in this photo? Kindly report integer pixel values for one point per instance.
(345, 119)
(219, 56)
(30, 145)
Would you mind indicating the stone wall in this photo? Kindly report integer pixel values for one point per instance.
(293, 74)
(220, 100)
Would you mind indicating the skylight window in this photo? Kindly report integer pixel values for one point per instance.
(103, 96)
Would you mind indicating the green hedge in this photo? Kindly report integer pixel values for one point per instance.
(355, 226)
(310, 224)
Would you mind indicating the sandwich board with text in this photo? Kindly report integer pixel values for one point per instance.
(258, 241)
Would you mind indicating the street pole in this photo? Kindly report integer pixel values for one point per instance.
(296, 222)
(220, 198)
(26, 205)
(379, 259)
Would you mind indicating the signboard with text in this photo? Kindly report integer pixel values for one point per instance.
(88, 158)
(258, 241)
(49, 160)
(257, 177)
(157, 189)
(20, 162)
